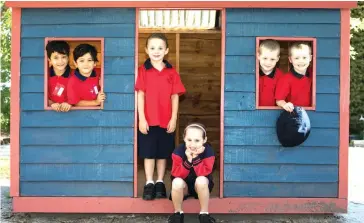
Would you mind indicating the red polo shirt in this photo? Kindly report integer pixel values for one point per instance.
(295, 88)
(158, 87)
(267, 87)
(83, 88)
(57, 85)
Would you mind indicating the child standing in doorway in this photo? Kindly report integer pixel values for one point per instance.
(158, 88)
(191, 173)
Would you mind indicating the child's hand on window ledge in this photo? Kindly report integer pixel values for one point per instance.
(65, 107)
(288, 107)
(56, 107)
(100, 98)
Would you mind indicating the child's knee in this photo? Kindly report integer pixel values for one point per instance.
(178, 183)
(201, 181)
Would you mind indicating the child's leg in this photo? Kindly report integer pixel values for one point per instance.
(161, 168)
(179, 189)
(202, 189)
(149, 169)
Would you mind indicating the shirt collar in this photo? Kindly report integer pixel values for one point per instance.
(271, 75)
(148, 64)
(83, 78)
(66, 73)
(299, 76)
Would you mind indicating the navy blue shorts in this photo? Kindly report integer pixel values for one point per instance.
(190, 182)
(157, 144)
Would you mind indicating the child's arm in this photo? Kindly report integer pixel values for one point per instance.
(143, 124)
(172, 123)
(203, 167)
(180, 167)
(288, 106)
(55, 106)
(85, 103)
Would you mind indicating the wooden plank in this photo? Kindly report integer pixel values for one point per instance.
(283, 29)
(119, 65)
(268, 118)
(32, 84)
(327, 102)
(327, 84)
(119, 83)
(79, 30)
(82, 118)
(76, 136)
(246, 46)
(76, 172)
(268, 137)
(239, 101)
(32, 47)
(263, 15)
(81, 15)
(114, 101)
(327, 66)
(240, 64)
(32, 66)
(279, 154)
(182, 31)
(116, 47)
(199, 107)
(95, 154)
(208, 120)
(328, 47)
(280, 173)
(288, 190)
(240, 82)
(69, 189)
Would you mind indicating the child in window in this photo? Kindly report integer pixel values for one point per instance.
(191, 173)
(83, 88)
(269, 74)
(58, 75)
(158, 88)
(295, 88)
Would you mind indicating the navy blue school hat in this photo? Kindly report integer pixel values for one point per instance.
(293, 128)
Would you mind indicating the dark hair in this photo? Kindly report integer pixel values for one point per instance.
(83, 49)
(157, 36)
(196, 125)
(58, 46)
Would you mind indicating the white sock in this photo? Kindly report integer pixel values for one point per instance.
(159, 181)
(181, 212)
(149, 181)
(204, 212)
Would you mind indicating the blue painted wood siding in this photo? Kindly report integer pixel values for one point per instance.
(255, 163)
(80, 153)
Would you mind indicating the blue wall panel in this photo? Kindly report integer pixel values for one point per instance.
(93, 146)
(256, 165)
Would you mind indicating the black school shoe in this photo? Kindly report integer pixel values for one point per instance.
(160, 190)
(149, 192)
(176, 218)
(206, 218)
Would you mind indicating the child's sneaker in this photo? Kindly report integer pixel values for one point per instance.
(176, 218)
(149, 192)
(160, 190)
(206, 218)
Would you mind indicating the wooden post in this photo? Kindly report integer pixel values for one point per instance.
(177, 68)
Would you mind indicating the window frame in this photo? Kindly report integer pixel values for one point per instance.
(313, 62)
(70, 39)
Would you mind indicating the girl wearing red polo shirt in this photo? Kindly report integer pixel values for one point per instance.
(58, 75)
(83, 88)
(158, 88)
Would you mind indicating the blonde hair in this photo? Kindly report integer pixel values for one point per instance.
(299, 45)
(270, 44)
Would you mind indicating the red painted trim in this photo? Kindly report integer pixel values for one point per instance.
(46, 40)
(308, 39)
(217, 205)
(15, 102)
(344, 102)
(182, 4)
(136, 59)
(222, 100)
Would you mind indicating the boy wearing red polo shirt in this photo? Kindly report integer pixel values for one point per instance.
(83, 88)
(158, 88)
(58, 75)
(295, 88)
(269, 74)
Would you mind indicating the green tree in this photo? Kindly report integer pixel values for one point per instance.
(357, 73)
(5, 66)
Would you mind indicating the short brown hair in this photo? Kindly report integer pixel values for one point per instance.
(157, 36)
(270, 44)
(298, 45)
